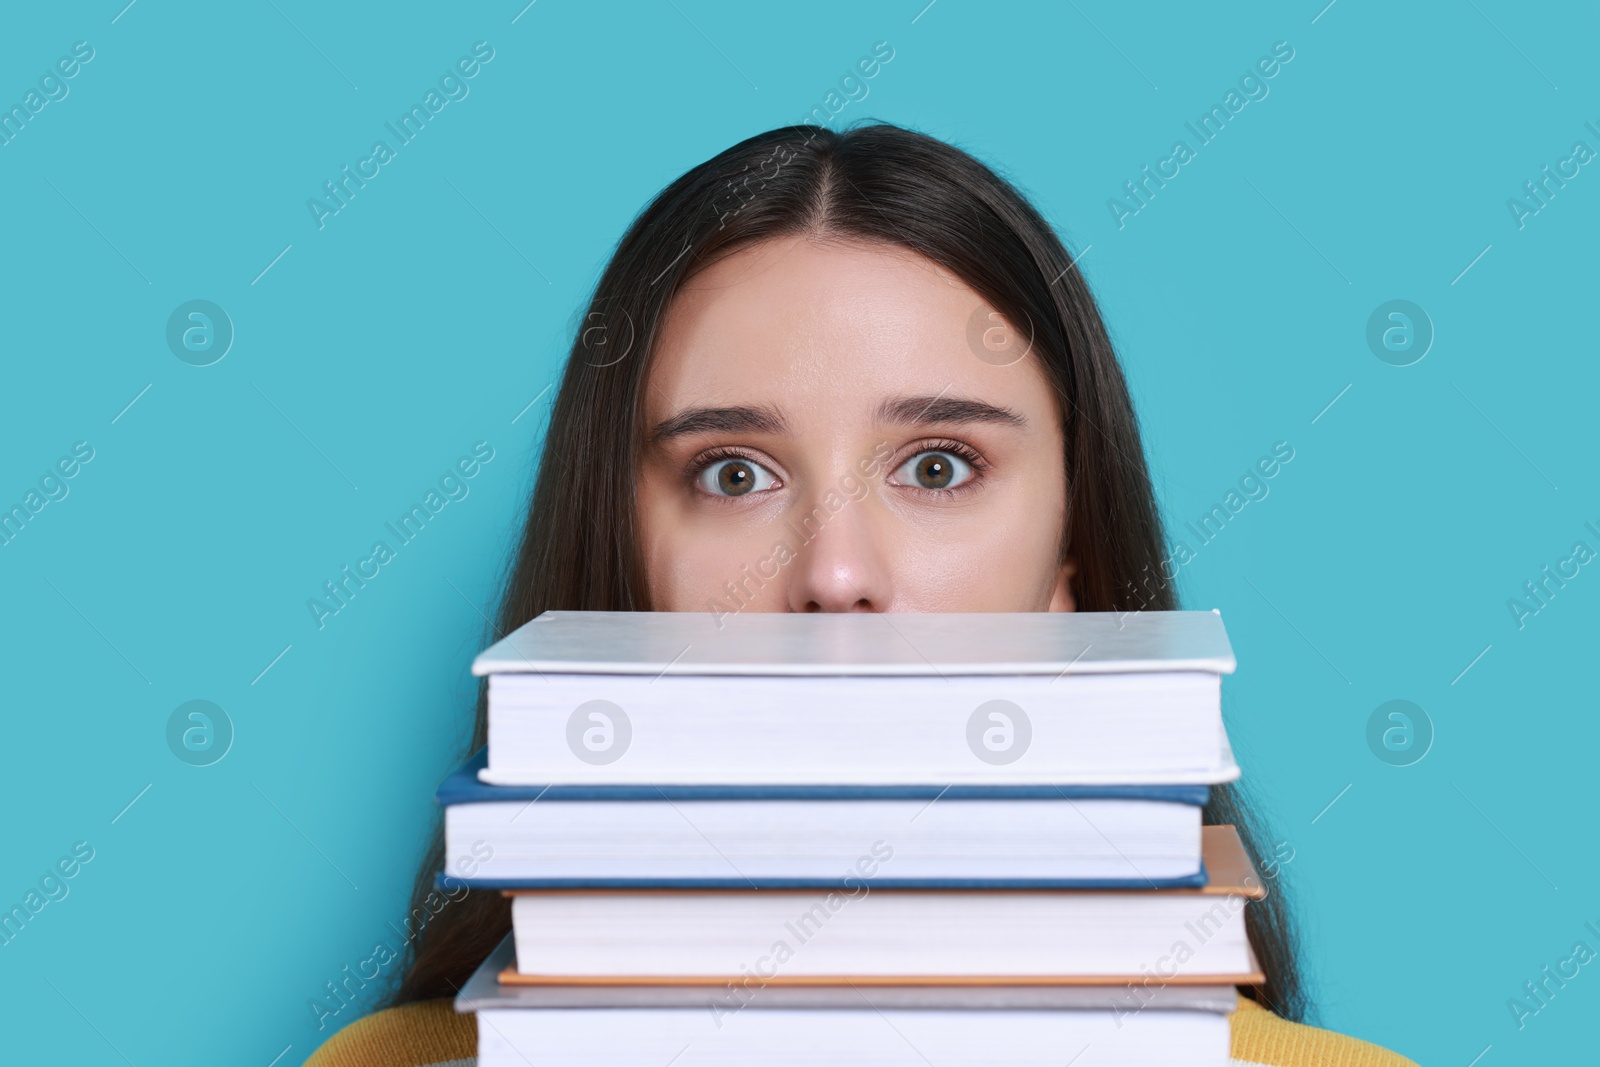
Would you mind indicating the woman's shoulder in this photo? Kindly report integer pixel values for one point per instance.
(429, 1033)
(1261, 1037)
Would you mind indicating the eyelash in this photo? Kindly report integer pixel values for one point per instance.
(959, 449)
(699, 464)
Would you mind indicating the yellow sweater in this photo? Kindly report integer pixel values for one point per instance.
(432, 1034)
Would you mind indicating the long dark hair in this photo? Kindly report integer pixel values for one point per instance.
(875, 182)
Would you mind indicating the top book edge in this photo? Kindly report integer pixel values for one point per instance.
(792, 644)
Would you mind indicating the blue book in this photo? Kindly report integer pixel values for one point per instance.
(796, 836)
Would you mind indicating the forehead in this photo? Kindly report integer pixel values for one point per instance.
(813, 328)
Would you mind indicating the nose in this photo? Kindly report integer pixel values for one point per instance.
(839, 565)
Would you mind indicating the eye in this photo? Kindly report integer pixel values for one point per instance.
(934, 469)
(735, 477)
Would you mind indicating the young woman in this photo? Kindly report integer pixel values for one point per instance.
(802, 308)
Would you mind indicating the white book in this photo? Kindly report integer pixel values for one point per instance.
(1020, 839)
(877, 934)
(865, 934)
(839, 699)
(861, 1037)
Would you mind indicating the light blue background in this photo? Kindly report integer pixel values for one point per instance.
(438, 305)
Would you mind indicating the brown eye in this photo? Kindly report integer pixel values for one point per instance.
(934, 470)
(735, 477)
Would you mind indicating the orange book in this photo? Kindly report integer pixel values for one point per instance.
(894, 937)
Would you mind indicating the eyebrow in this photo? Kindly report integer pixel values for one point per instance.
(924, 410)
(904, 410)
(719, 420)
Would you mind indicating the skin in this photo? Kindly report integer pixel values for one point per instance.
(820, 436)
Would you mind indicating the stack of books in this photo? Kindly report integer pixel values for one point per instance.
(855, 839)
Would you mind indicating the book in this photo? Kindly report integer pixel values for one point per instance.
(865, 1036)
(1132, 1023)
(821, 837)
(687, 698)
(854, 839)
(876, 936)
(484, 991)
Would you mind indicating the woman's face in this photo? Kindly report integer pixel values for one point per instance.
(822, 435)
